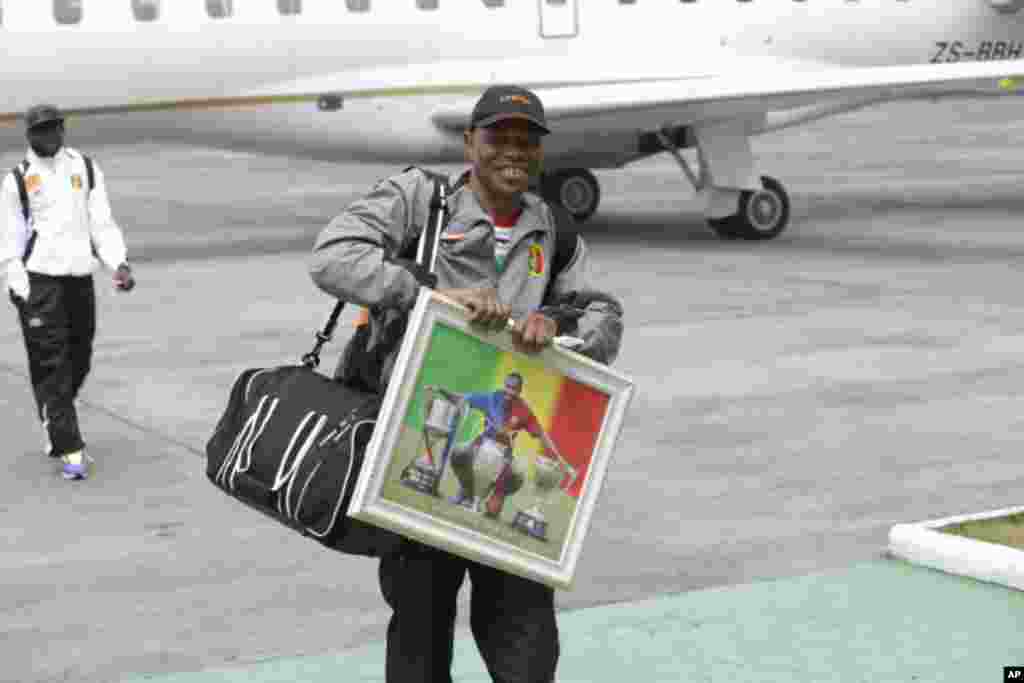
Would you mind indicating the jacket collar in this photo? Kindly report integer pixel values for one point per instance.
(33, 158)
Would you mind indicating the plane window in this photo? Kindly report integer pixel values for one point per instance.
(494, 3)
(627, 2)
(219, 9)
(358, 5)
(146, 10)
(67, 11)
(289, 7)
(427, 4)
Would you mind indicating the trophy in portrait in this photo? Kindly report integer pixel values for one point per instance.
(492, 457)
(443, 413)
(548, 473)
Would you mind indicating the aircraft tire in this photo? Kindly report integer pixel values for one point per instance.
(576, 190)
(762, 215)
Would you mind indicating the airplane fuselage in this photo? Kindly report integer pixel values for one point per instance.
(251, 80)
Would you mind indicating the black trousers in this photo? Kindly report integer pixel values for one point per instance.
(58, 323)
(513, 619)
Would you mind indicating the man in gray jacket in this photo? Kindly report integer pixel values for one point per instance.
(495, 257)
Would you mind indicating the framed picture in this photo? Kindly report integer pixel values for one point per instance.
(489, 453)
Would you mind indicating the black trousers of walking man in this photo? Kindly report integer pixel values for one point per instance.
(59, 323)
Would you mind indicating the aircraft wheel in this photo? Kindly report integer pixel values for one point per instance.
(762, 215)
(576, 190)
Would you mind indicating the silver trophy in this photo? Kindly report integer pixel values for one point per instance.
(489, 461)
(547, 475)
(442, 416)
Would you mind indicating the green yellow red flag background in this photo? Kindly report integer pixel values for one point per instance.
(570, 412)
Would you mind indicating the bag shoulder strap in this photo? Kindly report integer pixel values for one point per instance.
(19, 180)
(312, 359)
(566, 243)
(26, 212)
(89, 172)
(424, 250)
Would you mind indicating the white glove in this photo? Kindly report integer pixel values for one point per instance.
(17, 282)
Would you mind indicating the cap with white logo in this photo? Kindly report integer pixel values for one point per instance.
(502, 102)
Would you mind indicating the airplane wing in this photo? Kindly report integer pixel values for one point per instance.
(653, 104)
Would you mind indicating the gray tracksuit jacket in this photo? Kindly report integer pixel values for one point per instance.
(350, 261)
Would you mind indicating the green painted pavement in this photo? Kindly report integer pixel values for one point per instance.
(880, 621)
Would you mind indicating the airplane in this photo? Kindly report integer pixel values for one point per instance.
(395, 80)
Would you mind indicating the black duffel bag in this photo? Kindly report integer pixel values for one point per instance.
(291, 441)
(290, 444)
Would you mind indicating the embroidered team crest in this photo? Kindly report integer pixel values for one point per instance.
(33, 182)
(76, 182)
(536, 260)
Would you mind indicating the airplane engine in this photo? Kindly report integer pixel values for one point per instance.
(1007, 6)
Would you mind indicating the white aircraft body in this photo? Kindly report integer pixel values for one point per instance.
(395, 80)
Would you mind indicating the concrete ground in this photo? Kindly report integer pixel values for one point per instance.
(881, 620)
(795, 400)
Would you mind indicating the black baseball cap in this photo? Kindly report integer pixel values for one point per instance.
(42, 113)
(502, 102)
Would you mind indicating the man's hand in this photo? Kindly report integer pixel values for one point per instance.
(483, 304)
(123, 279)
(534, 332)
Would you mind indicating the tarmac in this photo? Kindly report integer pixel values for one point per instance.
(795, 400)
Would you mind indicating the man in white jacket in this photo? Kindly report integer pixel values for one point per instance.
(57, 223)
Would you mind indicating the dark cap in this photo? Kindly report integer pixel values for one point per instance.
(42, 113)
(502, 102)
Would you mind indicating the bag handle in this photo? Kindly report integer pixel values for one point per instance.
(426, 257)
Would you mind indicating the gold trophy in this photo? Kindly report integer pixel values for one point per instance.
(547, 475)
(443, 413)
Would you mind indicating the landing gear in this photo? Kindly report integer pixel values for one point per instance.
(762, 214)
(575, 189)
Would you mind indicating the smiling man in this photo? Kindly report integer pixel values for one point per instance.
(495, 257)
